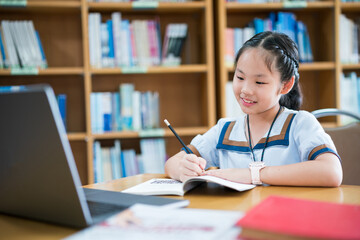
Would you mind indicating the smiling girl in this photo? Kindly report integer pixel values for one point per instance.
(274, 143)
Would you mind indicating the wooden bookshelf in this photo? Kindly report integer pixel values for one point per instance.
(187, 92)
(319, 79)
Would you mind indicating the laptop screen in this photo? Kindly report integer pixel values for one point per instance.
(38, 175)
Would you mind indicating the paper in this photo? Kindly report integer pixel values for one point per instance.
(151, 222)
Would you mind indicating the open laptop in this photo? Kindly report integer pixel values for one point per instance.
(38, 174)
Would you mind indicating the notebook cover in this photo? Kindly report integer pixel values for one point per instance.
(305, 218)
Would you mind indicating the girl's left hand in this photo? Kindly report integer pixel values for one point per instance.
(240, 175)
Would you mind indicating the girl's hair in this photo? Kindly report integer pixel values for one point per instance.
(284, 52)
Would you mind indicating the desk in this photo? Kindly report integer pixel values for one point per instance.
(209, 196)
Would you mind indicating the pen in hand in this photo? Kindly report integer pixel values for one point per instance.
(187, 150)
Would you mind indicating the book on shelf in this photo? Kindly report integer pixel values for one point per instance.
(349, 40)
(126, 110)
(62, 102)
(21, 45)
(165, 186)
(133, 43)
(290, 218)
(152, 222)
(174, 39)
(284, 22)
(113, 162)
(349, 95)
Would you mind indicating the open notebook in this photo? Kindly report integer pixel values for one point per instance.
(165, 186)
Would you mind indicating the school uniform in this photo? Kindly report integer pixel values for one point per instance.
(296, 136)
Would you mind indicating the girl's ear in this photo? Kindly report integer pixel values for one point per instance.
(287, 86)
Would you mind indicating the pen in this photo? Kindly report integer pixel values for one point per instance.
(187, 150)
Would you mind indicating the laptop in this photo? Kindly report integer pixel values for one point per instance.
(38, 174)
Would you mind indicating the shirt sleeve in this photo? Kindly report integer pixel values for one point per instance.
(206, 143)
(310, 137)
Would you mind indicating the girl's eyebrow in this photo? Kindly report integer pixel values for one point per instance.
(260, 75)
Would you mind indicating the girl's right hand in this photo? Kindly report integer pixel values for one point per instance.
(191, 166)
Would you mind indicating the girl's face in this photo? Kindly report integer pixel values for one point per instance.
(256, 88)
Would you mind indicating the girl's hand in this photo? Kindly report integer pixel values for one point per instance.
(240, 175)
(191, 166)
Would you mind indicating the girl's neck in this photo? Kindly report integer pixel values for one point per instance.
(265, 117)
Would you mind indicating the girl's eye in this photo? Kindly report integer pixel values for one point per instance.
(240, 78)
(260, 83)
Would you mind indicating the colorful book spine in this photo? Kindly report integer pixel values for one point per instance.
(62, 102)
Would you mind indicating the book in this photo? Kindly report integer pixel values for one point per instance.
(290, 218)
(142, 221)
(165, 186)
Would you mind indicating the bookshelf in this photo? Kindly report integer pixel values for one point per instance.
(320, 79)
(187, 92)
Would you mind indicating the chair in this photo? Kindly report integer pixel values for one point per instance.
(347, 141)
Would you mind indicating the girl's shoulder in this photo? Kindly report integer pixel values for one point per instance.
(303, 119)
(230, 120)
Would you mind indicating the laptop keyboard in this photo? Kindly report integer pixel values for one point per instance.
(99, 208)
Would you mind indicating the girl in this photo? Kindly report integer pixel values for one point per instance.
(274, 143)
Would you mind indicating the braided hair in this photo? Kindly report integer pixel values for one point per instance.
(284, 52)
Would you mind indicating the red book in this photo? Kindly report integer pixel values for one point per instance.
(290, 218)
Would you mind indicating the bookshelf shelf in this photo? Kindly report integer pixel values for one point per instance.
(242, 7)
(350, 6)
(196, 68)
(53, 4)
(49, 71)
(162, 7)
(314, 66)
(182, 131)
(350, 66)
(72, 136)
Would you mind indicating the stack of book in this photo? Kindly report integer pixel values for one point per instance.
(113, 162)
(20, 45)
(126, 110)
(284, 22)
(291, 218)
(121, 43)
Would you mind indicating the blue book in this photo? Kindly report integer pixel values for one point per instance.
(2, 50)
(107, 111)
(116, 160)
(122, 159)
(126, 93)
(61, 100)
(43, 58)
(259, 25)
(111, 39)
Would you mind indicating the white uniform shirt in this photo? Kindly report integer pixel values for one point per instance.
(296, 136)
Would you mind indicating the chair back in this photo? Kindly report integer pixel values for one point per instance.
(347, 141)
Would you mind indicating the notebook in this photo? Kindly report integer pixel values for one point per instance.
(38, 174)
(280, 217)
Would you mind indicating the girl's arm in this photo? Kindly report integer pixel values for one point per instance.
(324, 171)
(182, 166)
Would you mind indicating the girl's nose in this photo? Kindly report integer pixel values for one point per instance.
(246, 89)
